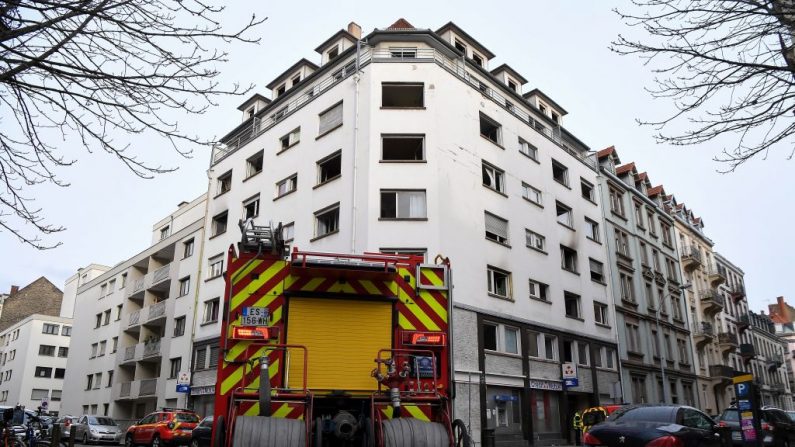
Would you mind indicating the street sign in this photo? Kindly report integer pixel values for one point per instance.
(569, 370)
(183, 388)
(183, 378)
(570, 383)
(254, 316)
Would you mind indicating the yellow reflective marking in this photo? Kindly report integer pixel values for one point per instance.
(313, 284)
(240, 274)
(424, 319)
(370, 287)
(430, 274)
(431, 301)
(389, 412)
(403, 272)
(416, 412)
(254, 285)
(289, 281)
(253, 410)
(232, 380)
(277, 315)
(237, 349)
(344, 288)
(405, 324)
(283, 411)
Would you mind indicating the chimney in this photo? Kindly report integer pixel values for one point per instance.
(355, 30)
(14, 290)
(783, 310)
(181, 204)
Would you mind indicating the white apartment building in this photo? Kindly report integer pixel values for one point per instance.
(133, 324)
(33, 357)
(404, 141)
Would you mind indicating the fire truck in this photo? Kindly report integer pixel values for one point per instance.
(323, 349)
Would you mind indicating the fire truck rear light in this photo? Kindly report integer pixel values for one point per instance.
(427, 338)
(254, 333)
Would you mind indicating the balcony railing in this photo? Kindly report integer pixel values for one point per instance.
(134, 319)
(156, 311)
(135, 287)
(136, 389)
(148, 387)
(716, 275)
(151, 349)
(161, 274)
(126, 389)
(691, 257)
(724, 371)
(712, 300)
(727, 338)
(129, 353)
(738, 292)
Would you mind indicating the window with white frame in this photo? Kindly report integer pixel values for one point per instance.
(211, 308)
(534, 240)
(565, 215)
(493, 177)
(490, 129)
(592, 229)
(403, 204)
(528, 149)
(501, 338)
(496, 228)
(622, 243)
(288, 232)
(290, 140)
(597, 270)
(499, 282)
(560, 173)
(627, 290)
(165, 232)
(329, 168)
(587, 190)
(402, 94)
(550, 351)
(187, 248)
(616, 201)
(224, 182)
(327, 220)
(254, 164)
(633, 337)
(251, 207)
(568, 259)
(184, 286)
(533, 339)
(601, 314)
(216, 266)
(219, 223)
(286, 186)
(583, 356)
(639, 215)
(532, 194)
(333, 52)
(330, 119)
(538, 290)
(404, 147)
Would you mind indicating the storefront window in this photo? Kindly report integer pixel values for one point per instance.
(544, 407)
(504, 411)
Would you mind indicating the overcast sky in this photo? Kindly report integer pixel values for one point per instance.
(561, 47)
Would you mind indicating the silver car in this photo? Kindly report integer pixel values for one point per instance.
(100, 429)
(65, 422)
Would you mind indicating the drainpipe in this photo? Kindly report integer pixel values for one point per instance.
(356, 79)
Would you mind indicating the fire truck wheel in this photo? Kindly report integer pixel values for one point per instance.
(273, 432)
(461, 435)
(408, 432)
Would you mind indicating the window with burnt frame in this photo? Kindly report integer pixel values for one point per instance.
(402, 95)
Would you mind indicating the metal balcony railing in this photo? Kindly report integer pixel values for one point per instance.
(129, 353)
(703, 329)
(161, 274)
(711, 296)
(134, 318)
(156, 310)
(125, 389)
(151, 349)
(136, 286)
(721, 371)
(727, 338)
(691, 253)
(148, 387)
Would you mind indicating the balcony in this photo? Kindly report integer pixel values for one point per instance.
(721, 372)
(144, 388)
(727, 343)
(136, 289)
(691, 258)
(778, 388)
(711, 302)
(743, 322)
(149, 315)
(126, 355)
(160, 279)
(134, 320)
(703, 334)
(737, 293)
(747, 351)
(716, 275)
(151, 351)
(773, 365)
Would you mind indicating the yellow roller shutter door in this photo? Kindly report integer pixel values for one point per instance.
(342, 338)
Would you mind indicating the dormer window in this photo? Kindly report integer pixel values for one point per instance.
(478, 60)
(280, 90)
(555, 118)
(250, 112)
(460, 47)
(512, 86)
(296, 80)
(542, 108)
(332, 53)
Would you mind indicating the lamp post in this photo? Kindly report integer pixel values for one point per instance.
(662, 348)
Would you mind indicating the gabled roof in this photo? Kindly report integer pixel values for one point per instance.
(656, 190)
(251, 100)
(454, 28)
(506, 68)
(550, 101)
(605, 152)
(339, 34)
(629, 167)
(401, 23)
(286, 73)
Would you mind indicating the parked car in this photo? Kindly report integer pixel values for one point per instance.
(594, 415)
(65, 422)
(656, 426)
(778, 429)
(202, 434)
(97, 429)
(170, 426)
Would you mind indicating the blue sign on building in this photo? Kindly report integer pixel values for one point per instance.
(570, 383)
(183, 388)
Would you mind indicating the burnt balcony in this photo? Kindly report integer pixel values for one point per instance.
(773, 365)
(703, 334)
(716, 275)
(727, 343)
(737, 293)
(721, 372)
(747, 351)
(691, 258)
(743, 322)
(711, 302)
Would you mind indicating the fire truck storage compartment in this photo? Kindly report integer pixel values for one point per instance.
(342, 338)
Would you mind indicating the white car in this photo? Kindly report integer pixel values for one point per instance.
(97, 429)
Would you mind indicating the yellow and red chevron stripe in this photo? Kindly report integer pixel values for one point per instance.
(423, 311)
(288, 410)
(362, 287)
(422, 412)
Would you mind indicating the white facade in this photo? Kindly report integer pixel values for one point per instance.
(74, 282)
(133, 324)
(34, 356)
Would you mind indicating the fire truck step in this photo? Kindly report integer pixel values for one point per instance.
(410, 432)
(273, 432)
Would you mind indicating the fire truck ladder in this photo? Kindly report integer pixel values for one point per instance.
(261, 239)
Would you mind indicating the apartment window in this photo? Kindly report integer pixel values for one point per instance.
(534, 240)
(490, 129)
(568, 259)
(616, 201)
(533, 338)
(213, 356)
(43, 371)
(330, 119)
(565, 215)
(97, 384)
(52, 329)
(47, 350)
(666, 234)
(219, 223)
(496, 228)
(550, 347)
(460, 46)
(216, 264)
(283, 187)
(669, 352)
(111, 286)
(106, 319)
(622, 243)
(254, 164)
(633, 338)
(477, 59)
(251, 207)
(39, 394)
(327, 220)
(681, 346)
(288, 232)
(200, 358)
(587, 190)
(597, 270)
(402, 95)
(94, 347)
(532, 194)
(280, 90)
(592, 229)
(493, 177)
(60, 373)
(402, 147)
(528, 149)
(639, 389)
(512, 85)
(560, 173)
(639, 215)
(499, 282)
(627, 292)
(403, 204)
(98, 320)
(184, 286)
(291, 139)
(114, 344)
(601, 315)
(644, 254)
(332, 53)
(538, 290)
(211, 310)
(571, 303)
(500, 338)
(123, 280)
(676, 306)
(118, 312)
(582, 354)
(179, 326)
(609, 358)
(329, 168)
(164, 233)
(224, 183)
(652, 225)
(174, 369)
(110, 379)
(187, 248)
(295, 80)
(102, 346)
(63, 351)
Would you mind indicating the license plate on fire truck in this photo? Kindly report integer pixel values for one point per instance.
(255, 316)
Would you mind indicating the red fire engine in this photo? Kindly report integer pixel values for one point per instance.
(323, 349)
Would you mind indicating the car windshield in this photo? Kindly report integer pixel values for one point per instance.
(186, 417)
(649, 414)
(730, 416)
(101, 421)
(791, 415)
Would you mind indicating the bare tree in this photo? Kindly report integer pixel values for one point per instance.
(727, 65)
(92, 72)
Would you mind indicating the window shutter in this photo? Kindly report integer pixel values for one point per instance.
(497, 225)
(330, 119)
(213, 356)
(200, 359)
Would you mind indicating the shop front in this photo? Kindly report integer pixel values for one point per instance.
(545, 411)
